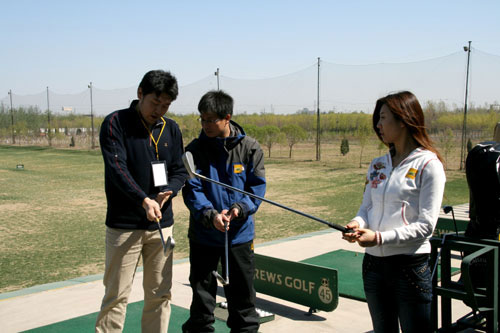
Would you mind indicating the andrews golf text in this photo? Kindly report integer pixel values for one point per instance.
(287, 281)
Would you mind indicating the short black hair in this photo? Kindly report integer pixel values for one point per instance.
(216, 101)
(158, 82)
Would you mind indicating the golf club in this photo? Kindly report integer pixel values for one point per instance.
(187, 158)
(219, 278)
(446, 210)
(438, 256)
(170, 241)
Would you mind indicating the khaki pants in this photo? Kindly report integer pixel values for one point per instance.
(123, 250)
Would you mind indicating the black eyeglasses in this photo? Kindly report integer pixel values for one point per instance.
(214, 121)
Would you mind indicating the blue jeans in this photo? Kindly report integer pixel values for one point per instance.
(398, 290)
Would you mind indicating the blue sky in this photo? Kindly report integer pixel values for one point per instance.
(66, 44)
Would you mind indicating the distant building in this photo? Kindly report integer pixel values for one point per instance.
(305, 111)
(67, 131)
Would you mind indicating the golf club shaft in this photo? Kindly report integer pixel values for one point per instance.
(331, 225)
(161, 235)
(438, 256)
(226, 252)
(454, 221)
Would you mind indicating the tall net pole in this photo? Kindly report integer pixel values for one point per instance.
(463, 153)
(49, 132)
(92, 115)
(318, 127)
(217, 74)
(12, 118)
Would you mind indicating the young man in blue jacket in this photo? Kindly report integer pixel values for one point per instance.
(143, 171)
(224, 153)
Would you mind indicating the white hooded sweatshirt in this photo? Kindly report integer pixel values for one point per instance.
(403, 203)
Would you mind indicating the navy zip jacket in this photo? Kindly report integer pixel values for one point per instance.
(237, 161)
(128, 151)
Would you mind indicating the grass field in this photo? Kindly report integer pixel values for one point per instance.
(52, 212)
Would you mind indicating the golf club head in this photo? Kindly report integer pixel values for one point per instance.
(220, 278)
(447, 209)
(187, 159)
(165, 247)
(170, 243)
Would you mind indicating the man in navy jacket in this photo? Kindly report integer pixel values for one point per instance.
(143, 171)
(224, 153)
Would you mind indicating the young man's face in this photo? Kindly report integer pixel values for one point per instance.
(153, 107)
(213, 126)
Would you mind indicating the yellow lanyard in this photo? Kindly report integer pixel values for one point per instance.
(152, 137)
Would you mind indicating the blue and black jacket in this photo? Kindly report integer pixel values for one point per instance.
(236, 160)
(128, 151)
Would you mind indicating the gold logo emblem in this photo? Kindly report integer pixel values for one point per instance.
(238, 168)
(412, 173)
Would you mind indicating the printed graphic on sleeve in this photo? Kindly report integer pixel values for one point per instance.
(412, 173)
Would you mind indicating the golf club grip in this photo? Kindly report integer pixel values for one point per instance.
(331, 225)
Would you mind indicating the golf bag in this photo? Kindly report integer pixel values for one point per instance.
(482, 168)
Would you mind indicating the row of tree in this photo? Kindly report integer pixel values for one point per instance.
(268, 129)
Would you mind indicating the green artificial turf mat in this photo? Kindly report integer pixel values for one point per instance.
(86, 323)
(349, 266)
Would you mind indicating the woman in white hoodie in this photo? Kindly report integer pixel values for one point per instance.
(397, 217)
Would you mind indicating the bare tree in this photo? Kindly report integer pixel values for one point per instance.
(293, 134)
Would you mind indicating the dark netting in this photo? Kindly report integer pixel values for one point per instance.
(342, 88)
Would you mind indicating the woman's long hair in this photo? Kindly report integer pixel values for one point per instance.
(406, 108)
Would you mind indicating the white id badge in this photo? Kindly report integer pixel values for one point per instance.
(159, 173)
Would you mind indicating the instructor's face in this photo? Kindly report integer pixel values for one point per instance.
(153, 107)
